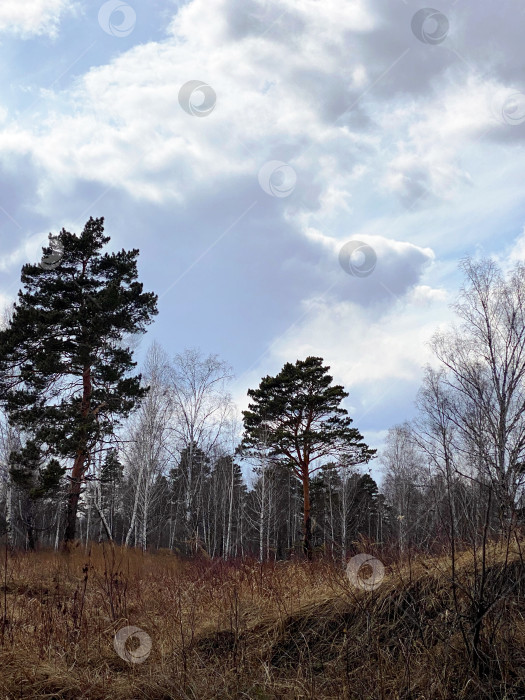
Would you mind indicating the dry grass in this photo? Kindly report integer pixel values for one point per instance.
(242, 630)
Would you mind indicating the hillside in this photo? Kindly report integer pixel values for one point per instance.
(245, 630)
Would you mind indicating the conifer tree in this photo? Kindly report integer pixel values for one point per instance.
(65, 375)
(298, 415)
(35, 479)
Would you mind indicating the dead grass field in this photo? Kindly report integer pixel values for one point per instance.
(245, 630)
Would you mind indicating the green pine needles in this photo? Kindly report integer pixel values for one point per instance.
(66, 378)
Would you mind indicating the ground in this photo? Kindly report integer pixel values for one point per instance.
(215, 629)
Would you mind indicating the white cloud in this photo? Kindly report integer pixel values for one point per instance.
(373, 357)
(284, 76)
(314, 84)
(425, 296)
(122, 123)
(363, 349)
(32, 17)
(514, 253)
(29, 251)
(5, 302)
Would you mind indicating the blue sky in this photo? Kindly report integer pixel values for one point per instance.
(399, 129)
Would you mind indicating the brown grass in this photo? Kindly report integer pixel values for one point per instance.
(242, 630)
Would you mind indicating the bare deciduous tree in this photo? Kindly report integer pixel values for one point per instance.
(148, 453)
(201, 409)
(485, 374)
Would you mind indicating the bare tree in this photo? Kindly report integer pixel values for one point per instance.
(484, 360)
(148, 450)
(471, 428)
(201, 409)
(403, 477)
(9, 441)
(233, 485)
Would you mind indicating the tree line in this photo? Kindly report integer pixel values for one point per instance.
(92, 450)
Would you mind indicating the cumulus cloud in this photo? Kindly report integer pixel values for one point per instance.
(378, 269)
(30, 250)
(393, 142)
(316, 85)
(377, 354)
(32, 17)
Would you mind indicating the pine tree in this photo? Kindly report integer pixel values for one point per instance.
(189, 480)
(35, 479)
(111, 476)
(298, 415)
(64, 373)
(326, 496)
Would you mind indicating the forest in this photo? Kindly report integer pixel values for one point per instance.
(103, 461)
(162, 459)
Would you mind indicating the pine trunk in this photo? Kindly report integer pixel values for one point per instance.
(79, 466)
(73, 497)
(307, 542)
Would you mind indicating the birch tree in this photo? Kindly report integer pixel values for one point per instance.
(484, 362)
(201, 408)
(148, 452)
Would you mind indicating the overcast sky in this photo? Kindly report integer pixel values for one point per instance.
(241, 144)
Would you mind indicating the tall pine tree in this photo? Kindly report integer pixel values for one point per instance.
(65, 374)
(298, 415)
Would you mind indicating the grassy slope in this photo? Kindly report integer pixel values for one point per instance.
(285, 630)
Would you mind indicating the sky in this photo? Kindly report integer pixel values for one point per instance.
(302, 177)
